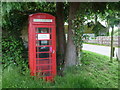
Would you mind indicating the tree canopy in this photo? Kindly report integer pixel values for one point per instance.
(14, 14)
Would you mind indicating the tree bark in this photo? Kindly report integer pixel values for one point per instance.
(112, 50)
(96, 18)
(61, 41)
(70, 56)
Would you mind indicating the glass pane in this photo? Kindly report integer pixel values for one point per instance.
(45, 67)
(50, 30)
(42, 73)
(43, 42)
(42, 55)
(47, 74)
(42, 30)
(42, 49)
(43, 61)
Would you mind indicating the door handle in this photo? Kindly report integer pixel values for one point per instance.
(53, 51)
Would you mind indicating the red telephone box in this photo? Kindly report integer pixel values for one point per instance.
(42, 45)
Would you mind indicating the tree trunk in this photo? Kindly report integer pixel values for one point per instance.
(108, 27)
(70, 56)
(96, 18)
(112, 50)
(61, 41)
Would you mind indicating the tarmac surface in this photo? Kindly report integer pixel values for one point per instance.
(104, 50)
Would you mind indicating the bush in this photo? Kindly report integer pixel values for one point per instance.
(12, 44)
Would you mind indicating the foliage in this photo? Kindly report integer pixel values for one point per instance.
(66, 11)
(12, 44)
(15, 13)
(78, 35)
(107, 11)
(98, 27)
(89, 11)
(117, 32)
(14, 16)
(26, 8)
(78, 28)
(96, 72)
(112, 18)
(12, 51)
(86, 37)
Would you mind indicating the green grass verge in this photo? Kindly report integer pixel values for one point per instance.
(99, 67)
(95, 72)
(0, 76)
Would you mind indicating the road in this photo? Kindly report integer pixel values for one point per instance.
(104, 50)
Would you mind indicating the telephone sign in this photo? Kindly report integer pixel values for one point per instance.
(42, 20)
(43, 36)
(42, 45)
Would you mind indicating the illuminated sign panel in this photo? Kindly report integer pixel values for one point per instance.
(42, 20)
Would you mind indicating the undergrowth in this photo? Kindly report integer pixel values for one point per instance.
(95, 72)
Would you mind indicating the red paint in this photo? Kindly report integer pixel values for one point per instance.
(42, 52)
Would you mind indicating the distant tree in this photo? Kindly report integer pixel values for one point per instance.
(116, 32)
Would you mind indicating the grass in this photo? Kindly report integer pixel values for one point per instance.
(95, 72)
(99, 67)
(0, 76)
